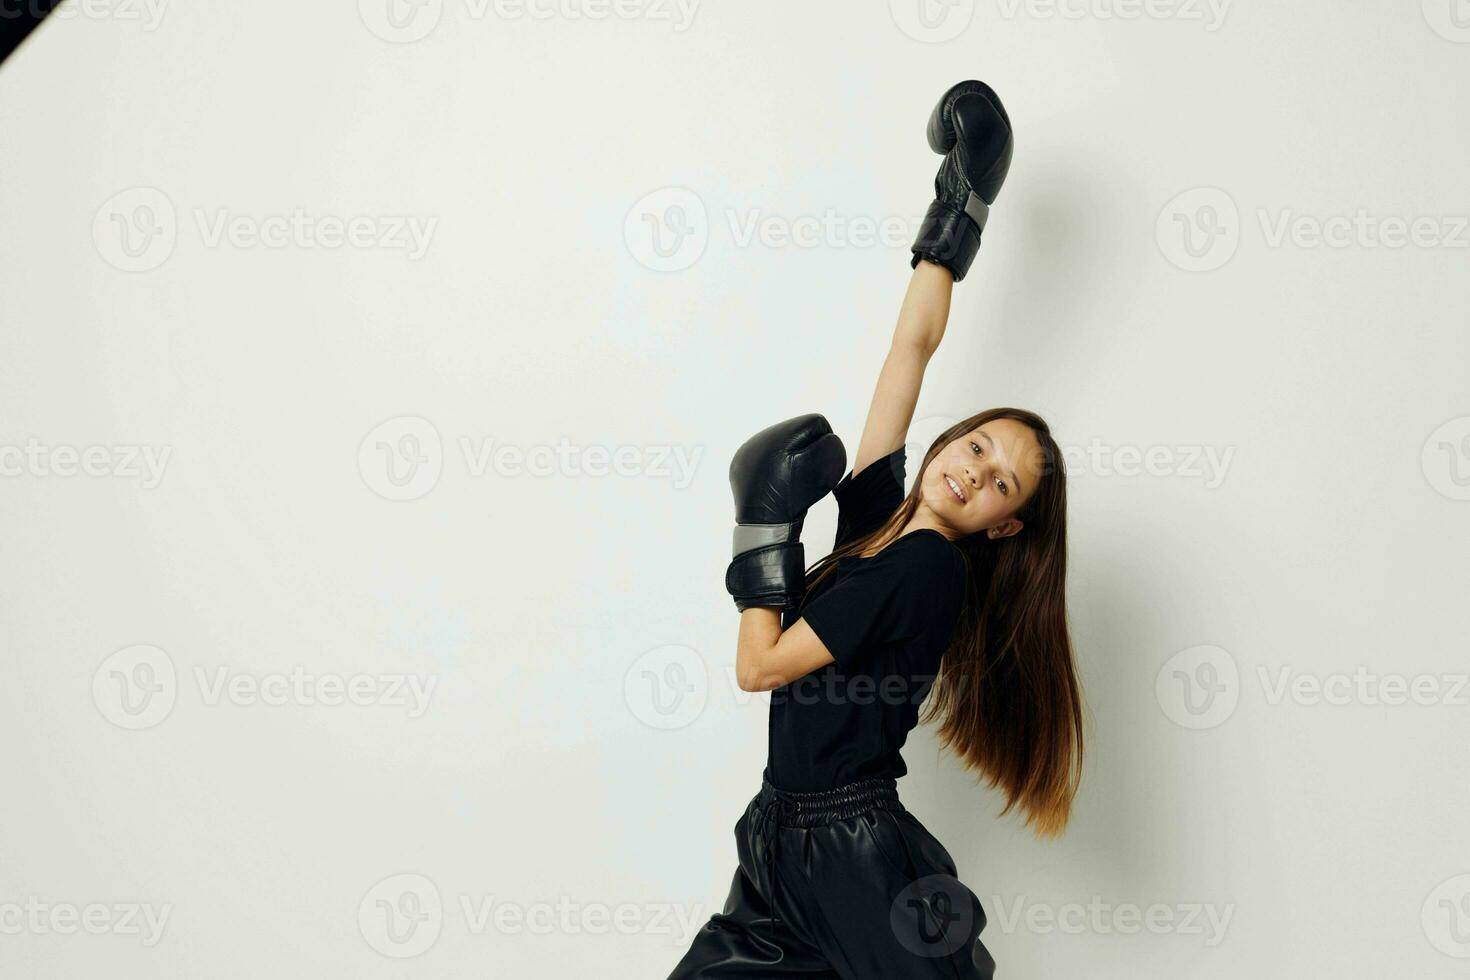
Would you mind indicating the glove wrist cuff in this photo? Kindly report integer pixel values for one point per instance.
(773, 577)
(749, 537)
(950, 236)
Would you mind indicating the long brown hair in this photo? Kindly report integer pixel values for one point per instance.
(1007, 695)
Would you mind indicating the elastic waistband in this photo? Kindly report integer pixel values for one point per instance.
(815, 809)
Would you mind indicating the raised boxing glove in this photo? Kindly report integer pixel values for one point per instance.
(971, 128)
(776, 476)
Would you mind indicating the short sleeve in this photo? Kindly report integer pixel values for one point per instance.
(909, 589)
(864, 502)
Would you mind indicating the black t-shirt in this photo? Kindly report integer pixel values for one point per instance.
(886, 620)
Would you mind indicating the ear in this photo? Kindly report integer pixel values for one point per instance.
(1005, 529)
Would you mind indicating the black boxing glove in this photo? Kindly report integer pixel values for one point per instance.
(971, 128)
(776, 476)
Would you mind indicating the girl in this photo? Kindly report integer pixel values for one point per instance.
(955, 588)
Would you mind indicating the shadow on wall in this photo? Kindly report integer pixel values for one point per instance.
(1064, 282)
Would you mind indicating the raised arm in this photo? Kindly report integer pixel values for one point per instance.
(921, 323)
(971, 128)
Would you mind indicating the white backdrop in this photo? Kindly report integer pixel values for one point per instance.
(368, 377)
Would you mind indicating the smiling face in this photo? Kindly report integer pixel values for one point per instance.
(980, 480)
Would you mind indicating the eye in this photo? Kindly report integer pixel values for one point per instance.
(975, 447)
(1001, 486)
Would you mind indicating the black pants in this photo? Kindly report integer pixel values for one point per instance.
(841, 884)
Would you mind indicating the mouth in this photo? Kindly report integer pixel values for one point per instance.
(954, 488)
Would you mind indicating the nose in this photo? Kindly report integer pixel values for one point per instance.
(971, 477)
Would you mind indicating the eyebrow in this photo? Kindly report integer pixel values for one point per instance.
(1012, 473)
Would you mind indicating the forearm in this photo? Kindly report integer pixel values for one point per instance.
(760, 631)
(925, 310)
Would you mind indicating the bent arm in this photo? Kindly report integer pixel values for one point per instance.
(766, 658)
(921, 323)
